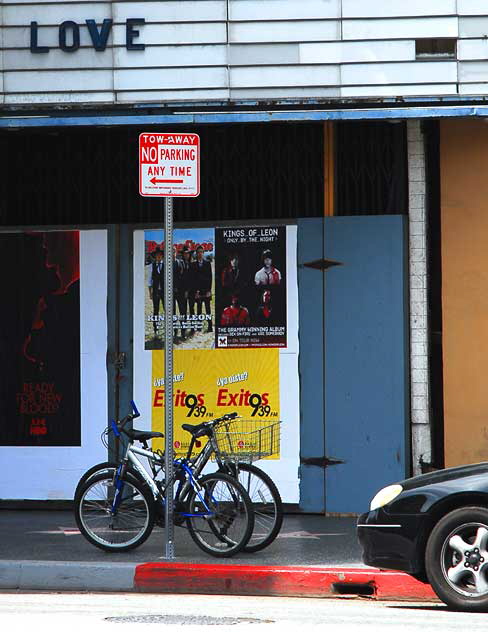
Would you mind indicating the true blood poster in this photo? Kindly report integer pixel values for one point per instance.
(40, 339)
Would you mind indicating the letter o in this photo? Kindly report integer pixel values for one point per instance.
(75, 36)
(255, 400)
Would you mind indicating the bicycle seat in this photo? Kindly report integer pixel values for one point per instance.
(143, 435)
(200, 430)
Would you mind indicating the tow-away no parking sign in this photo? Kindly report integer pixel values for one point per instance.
(169, 164)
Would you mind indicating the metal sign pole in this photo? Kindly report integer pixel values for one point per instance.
(168, 374)
(156, 157)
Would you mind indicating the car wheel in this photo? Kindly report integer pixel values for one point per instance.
(456, 559)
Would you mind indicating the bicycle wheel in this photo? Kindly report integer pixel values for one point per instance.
(102, 468)
(221, 520)
(119, 529)
(266, 504)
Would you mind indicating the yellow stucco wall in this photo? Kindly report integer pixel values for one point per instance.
(464, 217)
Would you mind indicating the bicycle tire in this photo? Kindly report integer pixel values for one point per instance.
(133, 521)
(228, 530)
(100, 468)
(266, 503)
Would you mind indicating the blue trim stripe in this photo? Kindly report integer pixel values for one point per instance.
(247, 117)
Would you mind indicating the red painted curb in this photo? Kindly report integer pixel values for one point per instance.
(286, 581)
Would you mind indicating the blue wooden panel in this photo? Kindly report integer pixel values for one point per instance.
(311, 362)
(366, 358)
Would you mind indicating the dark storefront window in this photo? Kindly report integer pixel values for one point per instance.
(371, 168)
(90, 175)
(77, 176)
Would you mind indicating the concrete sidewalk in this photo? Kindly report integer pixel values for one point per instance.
(312, 556)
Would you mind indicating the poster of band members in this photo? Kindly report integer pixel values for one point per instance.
(40, 339)
(251, 286)
(246, 381)
(193, 284)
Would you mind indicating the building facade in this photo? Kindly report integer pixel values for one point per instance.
(351, 131)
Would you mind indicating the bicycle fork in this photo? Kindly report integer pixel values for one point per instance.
(191, 481)
(118, 483)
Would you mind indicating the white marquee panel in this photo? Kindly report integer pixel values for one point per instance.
(288, 76)
(319, 30)
(344, 52)
(257, 10)
(400, 28)
(164, 78)
(396, 8)
(422, 72)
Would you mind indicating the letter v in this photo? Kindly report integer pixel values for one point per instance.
(99, 39)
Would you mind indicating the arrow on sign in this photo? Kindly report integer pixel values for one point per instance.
(155, 181)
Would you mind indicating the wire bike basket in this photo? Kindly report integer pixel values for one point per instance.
(240, 440)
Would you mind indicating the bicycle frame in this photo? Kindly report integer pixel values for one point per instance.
(130, 455)
(189, 481)
(202, 458)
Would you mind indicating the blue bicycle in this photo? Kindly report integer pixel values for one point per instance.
(116, 510)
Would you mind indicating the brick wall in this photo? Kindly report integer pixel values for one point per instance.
(419, 366)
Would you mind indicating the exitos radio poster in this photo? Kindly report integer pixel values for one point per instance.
(233, 380)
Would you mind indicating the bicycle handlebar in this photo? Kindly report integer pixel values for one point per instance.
(118, 426)
(227, 417)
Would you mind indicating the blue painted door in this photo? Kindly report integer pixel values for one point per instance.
(311, 362)
(364, 373)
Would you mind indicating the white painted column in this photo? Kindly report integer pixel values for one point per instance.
(419, 359)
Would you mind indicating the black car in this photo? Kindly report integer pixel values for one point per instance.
(434, 527)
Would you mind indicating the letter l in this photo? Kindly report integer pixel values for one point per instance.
(34, 47)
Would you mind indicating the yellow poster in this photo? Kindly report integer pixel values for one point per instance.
(209, 384)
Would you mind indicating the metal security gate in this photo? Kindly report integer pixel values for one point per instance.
(89, 176)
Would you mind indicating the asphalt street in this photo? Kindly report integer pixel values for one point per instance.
(53, 536)
(105, 612)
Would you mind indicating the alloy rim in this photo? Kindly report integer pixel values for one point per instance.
(464, 559)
